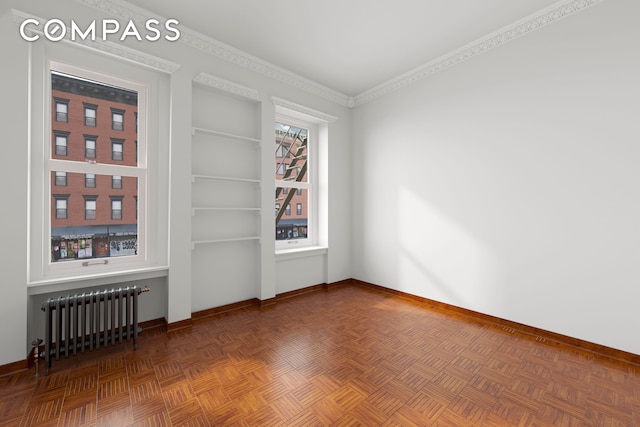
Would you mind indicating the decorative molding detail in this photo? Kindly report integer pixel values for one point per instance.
(313, 114)
(221, 50)
(102, 46)
(564, 8)
(495, 39)
(227, 86)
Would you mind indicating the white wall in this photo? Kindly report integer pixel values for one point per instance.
(508, 184)
(175, 298)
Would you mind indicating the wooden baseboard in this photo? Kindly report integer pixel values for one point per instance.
(181, 324)
(537, 334)
(155, 323)
(15, 367)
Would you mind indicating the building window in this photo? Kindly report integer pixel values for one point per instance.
(62, 110)
(293, 138)
(117, 119)
(117, 149)
(61, 201)
(90, 146)
(61, 179)
(90, 114)
(61, 140)
(116, 208)
(90, 207)
(85, 218)
(90, 180)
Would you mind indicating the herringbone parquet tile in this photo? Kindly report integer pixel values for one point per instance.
(348, 357)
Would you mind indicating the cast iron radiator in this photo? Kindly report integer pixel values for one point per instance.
(88, 320)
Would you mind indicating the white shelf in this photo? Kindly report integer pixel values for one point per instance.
(234, 239)
(225, 134)
(223, 178)
(195, 209)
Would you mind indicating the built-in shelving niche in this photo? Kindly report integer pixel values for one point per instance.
(225, 196)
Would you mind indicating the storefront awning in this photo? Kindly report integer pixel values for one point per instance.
(90, 231)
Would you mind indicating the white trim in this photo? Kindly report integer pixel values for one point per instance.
(303, 113)
(286, 254)
(513, 31)
(197, 40)
(221, 50)
(85, 281)
(105, 47)
(227, 86)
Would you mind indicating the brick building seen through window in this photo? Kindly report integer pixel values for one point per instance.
(93, 215)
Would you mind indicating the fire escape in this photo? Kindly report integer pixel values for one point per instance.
(294, 171)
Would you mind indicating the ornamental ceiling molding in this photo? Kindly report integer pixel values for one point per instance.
(511, 32)
(227, 86)
(313, 115)
(102, 46)
(214, 47)
(562, 9)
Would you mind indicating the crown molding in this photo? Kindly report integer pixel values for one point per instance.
(103, 46)
(562, 9)
(196, 40)
(310, 113)
(227, 86)
(511, 32)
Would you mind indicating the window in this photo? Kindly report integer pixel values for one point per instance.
(90, 180)
(90, 146)
(293, 183)
(61, 179)
(117, 149)
(90, 207)
(94, 222)
(61, 205)
(304, 134)
(117, 119)
(90, 114)
(62, 110)
(61, 139)
(116, 208)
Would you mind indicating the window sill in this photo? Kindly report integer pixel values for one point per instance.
(285, 254)
(60, 284)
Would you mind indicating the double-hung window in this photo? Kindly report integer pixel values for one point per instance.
(295, 179)
(88, 201)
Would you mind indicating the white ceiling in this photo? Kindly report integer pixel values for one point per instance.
(347, 45)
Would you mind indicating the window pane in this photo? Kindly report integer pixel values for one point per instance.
(92, 219)
(291, 153)
(86, 137)
(291, 224)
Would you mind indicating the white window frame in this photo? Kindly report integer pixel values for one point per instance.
(140, 172)
(309, 185)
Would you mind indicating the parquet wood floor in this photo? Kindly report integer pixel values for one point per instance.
(348, 357)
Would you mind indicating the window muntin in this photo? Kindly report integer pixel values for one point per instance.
(293, 183)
